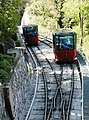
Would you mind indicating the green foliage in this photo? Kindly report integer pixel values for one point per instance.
(44, 13)
(71, 13)
(47, 13)
(5, 65)
(9, 18)
(7, 57)
(6, 62)
(9, 14)
(85, 46)
(3, 74)
(17, 43)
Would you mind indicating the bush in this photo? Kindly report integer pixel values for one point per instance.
(6, 65)
(6, 62)
(18, 43)
(3, 75)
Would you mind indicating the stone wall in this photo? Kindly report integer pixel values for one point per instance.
(20, 85)
(19, 89)
(3, 115)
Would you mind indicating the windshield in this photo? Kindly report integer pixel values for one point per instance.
(64, 42)
(30, 31)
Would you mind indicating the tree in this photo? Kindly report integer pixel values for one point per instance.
(42, 13)
(60, 14)
(76, 16)
(9, 17)
(46, 13)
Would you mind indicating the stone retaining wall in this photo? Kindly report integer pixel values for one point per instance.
(19, 88)
(17, 91)
(3, 115)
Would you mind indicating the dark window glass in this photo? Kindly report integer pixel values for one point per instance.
(66, 42)
(30, 31)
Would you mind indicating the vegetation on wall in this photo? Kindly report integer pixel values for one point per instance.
(6, 62)
(9, 19)
(17, 43)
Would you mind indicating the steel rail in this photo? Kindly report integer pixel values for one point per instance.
(29, 111)
(45, 84)
(43, 37)
(58, 90)
(71, 93)
(46, 43)
(65, 116)
(63, 102)
(59, 85)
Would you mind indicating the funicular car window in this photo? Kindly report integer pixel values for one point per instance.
(31, 31)
(57, 43)
(66, 42)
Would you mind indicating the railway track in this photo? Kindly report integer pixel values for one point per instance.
(58, 92)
